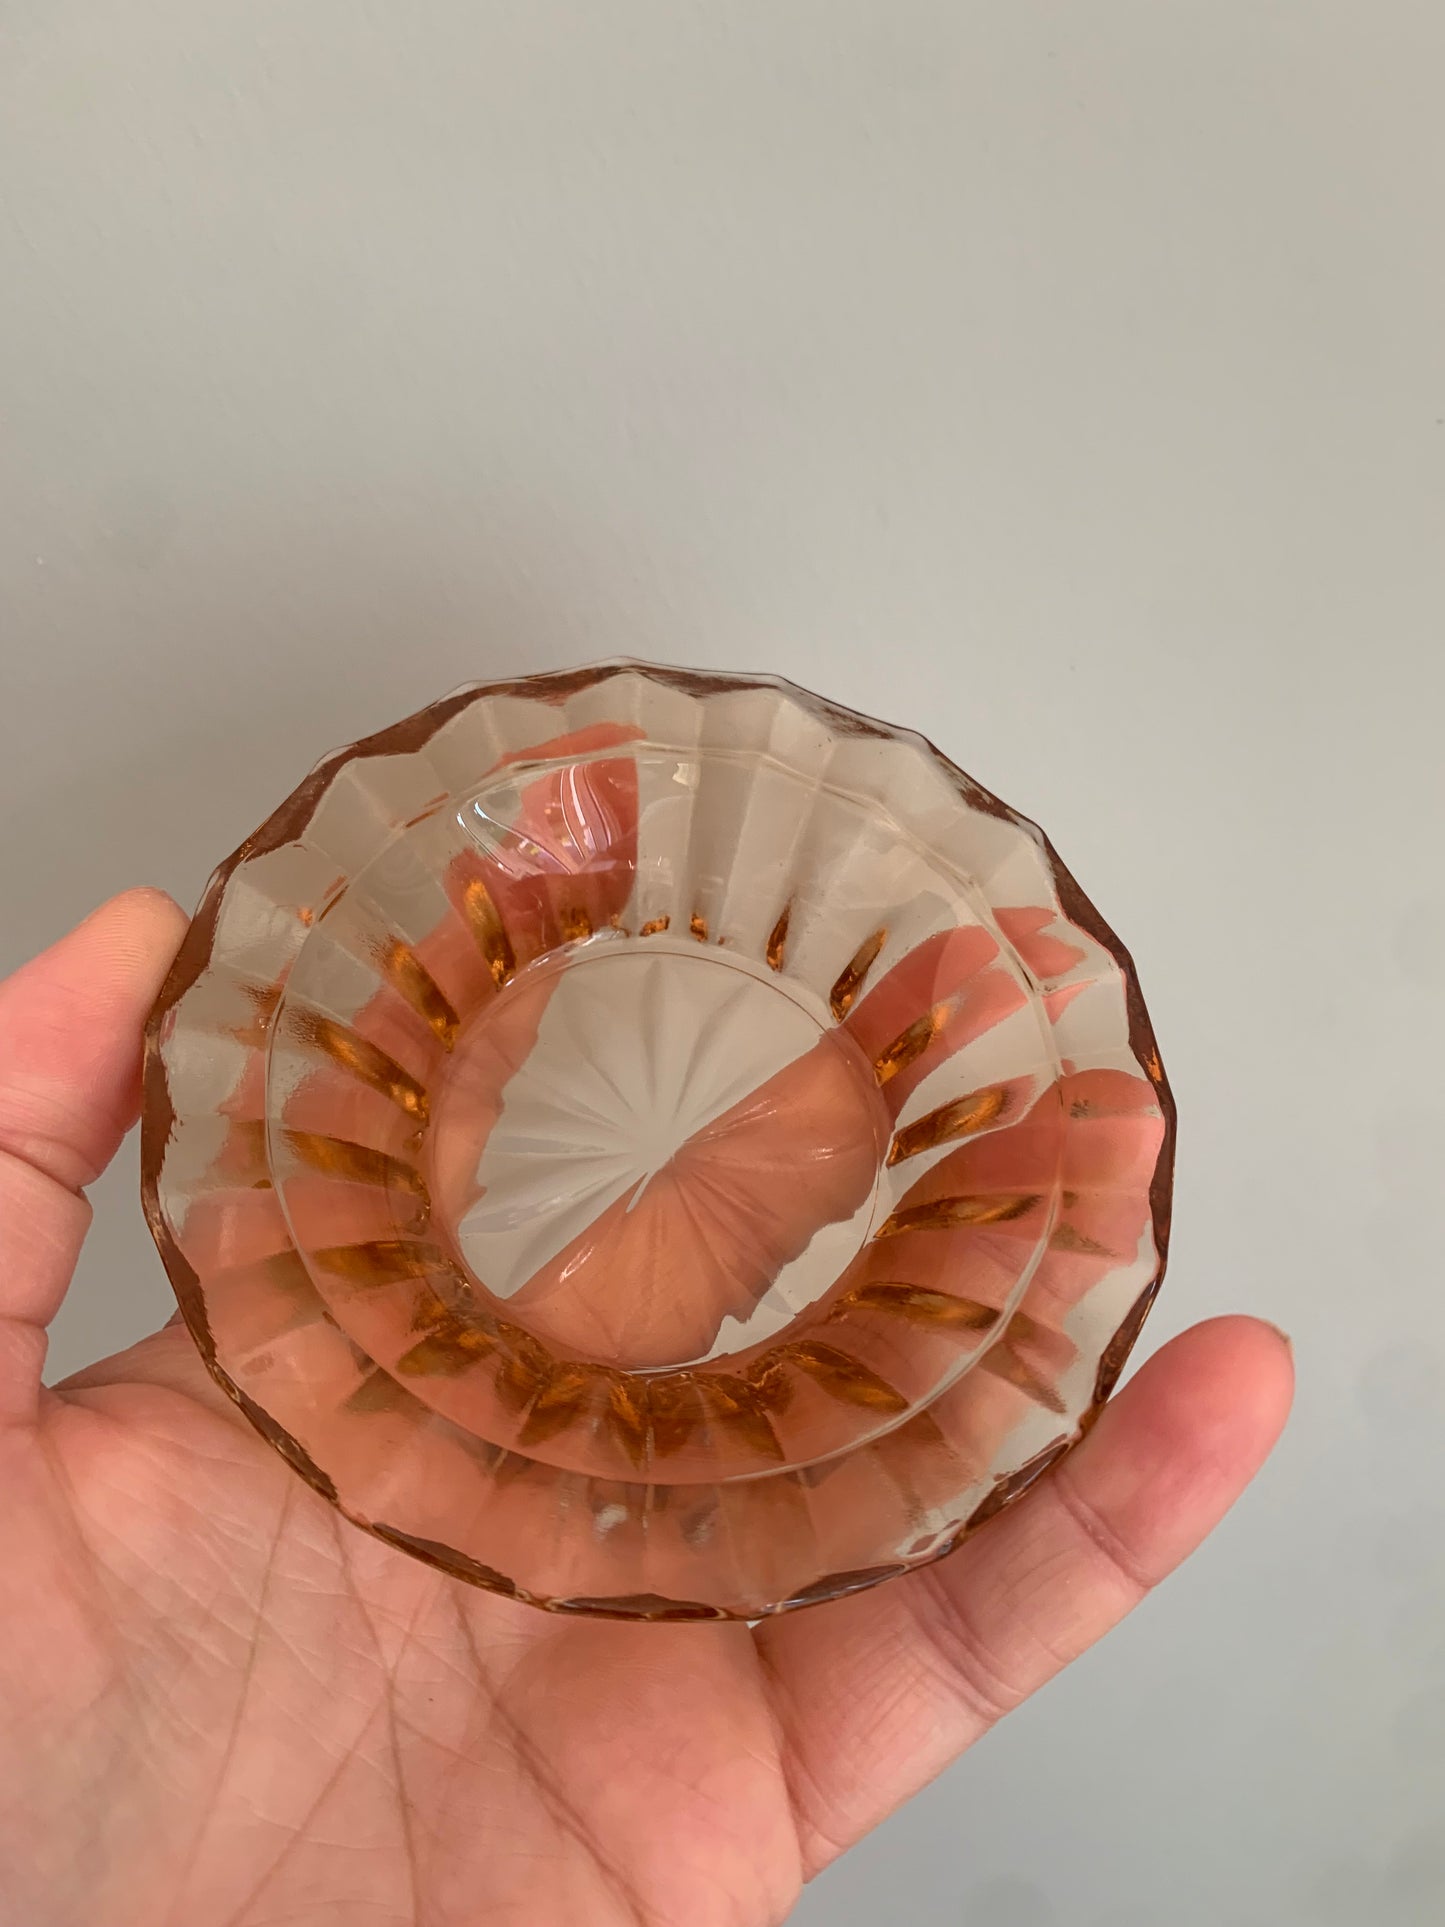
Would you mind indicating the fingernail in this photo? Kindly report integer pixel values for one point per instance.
(1281, 1334)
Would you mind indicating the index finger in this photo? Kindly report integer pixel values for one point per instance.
(70, 1052)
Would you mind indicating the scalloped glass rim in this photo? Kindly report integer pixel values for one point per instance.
(288, 824)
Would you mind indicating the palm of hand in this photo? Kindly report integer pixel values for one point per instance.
(249, 1711)
(221, 1704)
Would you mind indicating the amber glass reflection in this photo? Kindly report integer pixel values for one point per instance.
(657, 1144)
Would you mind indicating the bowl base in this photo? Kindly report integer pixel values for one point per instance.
(655, 1152)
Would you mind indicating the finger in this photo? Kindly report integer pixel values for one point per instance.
(70, 1050)
(876, 1694)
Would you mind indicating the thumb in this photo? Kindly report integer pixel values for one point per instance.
(70, 1055)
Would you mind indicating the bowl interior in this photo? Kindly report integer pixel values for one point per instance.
(656, 1143)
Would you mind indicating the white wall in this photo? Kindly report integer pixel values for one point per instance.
(1068, 380)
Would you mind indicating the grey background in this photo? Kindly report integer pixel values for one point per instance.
(1067, 380)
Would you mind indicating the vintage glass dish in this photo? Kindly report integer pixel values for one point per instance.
(657, 1144)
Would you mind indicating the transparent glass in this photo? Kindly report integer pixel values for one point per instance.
(657, 1144)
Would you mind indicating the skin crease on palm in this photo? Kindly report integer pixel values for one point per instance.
(222, 1706)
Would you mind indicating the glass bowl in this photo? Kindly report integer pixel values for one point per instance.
(657, 1144)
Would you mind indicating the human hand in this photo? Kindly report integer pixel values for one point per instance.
(219, 1703)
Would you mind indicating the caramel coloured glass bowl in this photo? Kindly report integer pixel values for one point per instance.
(657, 1144)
